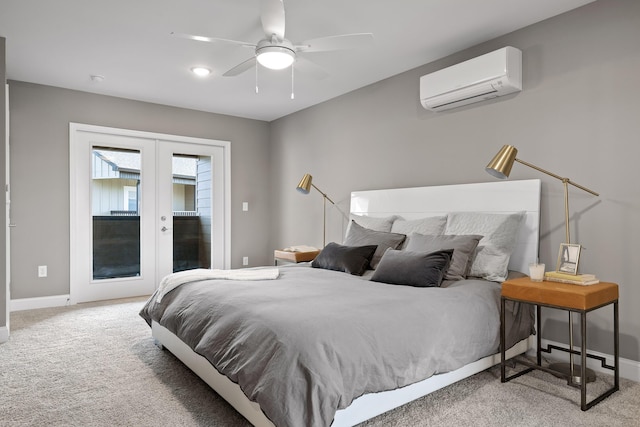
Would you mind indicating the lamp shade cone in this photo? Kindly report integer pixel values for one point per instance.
(501, 164)
(304, 186)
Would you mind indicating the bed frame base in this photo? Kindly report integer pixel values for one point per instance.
(361, 409)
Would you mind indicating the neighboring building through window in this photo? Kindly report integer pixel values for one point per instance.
(130, 198)
(116, 182)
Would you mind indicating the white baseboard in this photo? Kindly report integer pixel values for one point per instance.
(39, 302)
(4, 334)
(629, 369)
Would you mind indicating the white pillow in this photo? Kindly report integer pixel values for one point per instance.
(500, 233)
(430, 226)
(372, 223)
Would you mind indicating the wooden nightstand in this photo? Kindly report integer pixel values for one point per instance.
(572, 298)
(286, 257)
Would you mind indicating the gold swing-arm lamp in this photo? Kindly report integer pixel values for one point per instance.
(500, 167)
(304, 186)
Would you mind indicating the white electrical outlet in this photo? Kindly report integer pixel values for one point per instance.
(245, 206)
(42, 271)
(245, 260)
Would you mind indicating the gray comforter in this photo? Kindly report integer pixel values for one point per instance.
(310, 342)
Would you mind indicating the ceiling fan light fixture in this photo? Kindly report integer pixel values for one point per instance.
(275, 57)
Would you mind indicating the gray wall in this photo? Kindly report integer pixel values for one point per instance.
(3, 214)
(578, 116)
(40, 117)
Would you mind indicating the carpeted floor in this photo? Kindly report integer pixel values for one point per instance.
(96, 365)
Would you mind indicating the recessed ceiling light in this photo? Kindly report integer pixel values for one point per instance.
(96, 78)
(201, 71)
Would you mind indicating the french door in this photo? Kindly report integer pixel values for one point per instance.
(144, 205)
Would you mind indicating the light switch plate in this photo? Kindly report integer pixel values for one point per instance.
(42, 271)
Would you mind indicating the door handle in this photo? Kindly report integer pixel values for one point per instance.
(165, 229)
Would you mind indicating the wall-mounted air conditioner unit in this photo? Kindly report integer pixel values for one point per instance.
(488, 76)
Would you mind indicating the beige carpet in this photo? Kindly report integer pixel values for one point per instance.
(96, 365)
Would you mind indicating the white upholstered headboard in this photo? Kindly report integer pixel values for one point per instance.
(489, 197)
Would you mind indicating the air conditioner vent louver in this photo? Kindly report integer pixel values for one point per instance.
(488, 76)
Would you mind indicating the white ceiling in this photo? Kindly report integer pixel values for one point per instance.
(63, 42)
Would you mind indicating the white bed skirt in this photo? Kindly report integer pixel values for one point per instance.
(361, 409)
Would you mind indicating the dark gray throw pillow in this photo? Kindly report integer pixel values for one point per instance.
(359, 236)
(463, 246)
(420, 269)
(350, 259)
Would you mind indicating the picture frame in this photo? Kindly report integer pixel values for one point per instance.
(568, 258)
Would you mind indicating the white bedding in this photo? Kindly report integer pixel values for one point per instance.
(172, 281)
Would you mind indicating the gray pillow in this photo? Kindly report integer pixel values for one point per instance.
(350, 259)
(463, 250)
(413, 268)
(360, 236)
(500, 231)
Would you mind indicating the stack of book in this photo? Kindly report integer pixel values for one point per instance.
(575, 279)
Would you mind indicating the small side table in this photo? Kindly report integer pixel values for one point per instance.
(293, 257)
(573, 298)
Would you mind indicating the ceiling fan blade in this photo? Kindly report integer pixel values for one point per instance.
(345, 41)
(241, 67)
(272, 17)
(310, 68)
(211, 39)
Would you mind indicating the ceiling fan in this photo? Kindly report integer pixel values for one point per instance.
(274, 51)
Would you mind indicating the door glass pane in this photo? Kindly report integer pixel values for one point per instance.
(191, 212)
(115, 201)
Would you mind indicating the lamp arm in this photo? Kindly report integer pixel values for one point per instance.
(565, 180)
(323, 193)
(324, 213)
(329, 199)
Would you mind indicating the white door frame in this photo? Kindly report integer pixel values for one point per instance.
(4, 332)
(77, 191)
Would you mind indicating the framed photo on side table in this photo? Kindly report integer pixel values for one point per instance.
(568, 258)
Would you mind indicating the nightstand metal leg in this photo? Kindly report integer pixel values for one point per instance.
(616, 346)
(616, 362)
(538, 335)
(503, 362)
(583, 364)
(502, 342)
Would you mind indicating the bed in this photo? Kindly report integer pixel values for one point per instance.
(320, 347)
